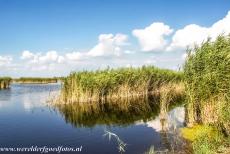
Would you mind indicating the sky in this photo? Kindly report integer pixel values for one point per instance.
(55, 37)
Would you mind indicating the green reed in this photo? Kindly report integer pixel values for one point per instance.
(207, 76)
(35, 80)
(207, 84)
(100, 85)
(5, 82)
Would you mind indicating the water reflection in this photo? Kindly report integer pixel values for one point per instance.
(134, 111)
(5, 97)
(140, 112)
(6, 94)
(175, 118)
(27, 96)
(112, 113)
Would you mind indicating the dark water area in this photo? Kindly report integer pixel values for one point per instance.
(26, 120)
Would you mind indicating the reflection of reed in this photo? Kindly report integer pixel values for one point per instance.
(5, 95)
(168, 94)
(122, 112)
(109, 113)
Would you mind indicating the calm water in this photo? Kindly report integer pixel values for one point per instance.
(26, 120)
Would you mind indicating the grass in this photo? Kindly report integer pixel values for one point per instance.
(195, 132)
(5, 82)
(36, 80)
(207, 78)
(116, 84)
(206, 139)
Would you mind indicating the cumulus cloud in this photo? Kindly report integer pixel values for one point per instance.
(189, 35)
(109, 45)
(75, 56)
(27, 55)
(50, 57)
(156, 36)
(195, 34)
(152, 38)
(41, 61)
(5, 60)
(38, 58)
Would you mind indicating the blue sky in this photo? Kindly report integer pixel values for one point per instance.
(50, 30)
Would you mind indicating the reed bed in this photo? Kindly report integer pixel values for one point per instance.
(207, 84)
(5, 82)
(116, 84)
(207, 76)
(35, 80)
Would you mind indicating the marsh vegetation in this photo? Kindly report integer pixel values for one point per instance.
(207, 85)
(5, 82)
(116, 84)
(35, 80)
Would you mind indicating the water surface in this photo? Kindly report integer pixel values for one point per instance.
(26, 120)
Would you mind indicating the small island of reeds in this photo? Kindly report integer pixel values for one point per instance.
(5, 82)
(35, 80)
(116, 84)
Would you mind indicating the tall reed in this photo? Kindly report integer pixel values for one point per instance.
(30, 80)
(115, 84)
(5, 82)
(207, 82)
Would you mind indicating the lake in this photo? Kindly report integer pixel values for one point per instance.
(26, 120)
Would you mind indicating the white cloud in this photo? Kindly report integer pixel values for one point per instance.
(195, 34)
(39, 62)
(75, 56)
(187, 36)
(109, 45)
(50, 57)
(27, 55)
(152, 38)
(5, 60)
(38, 58)
(222, 26)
